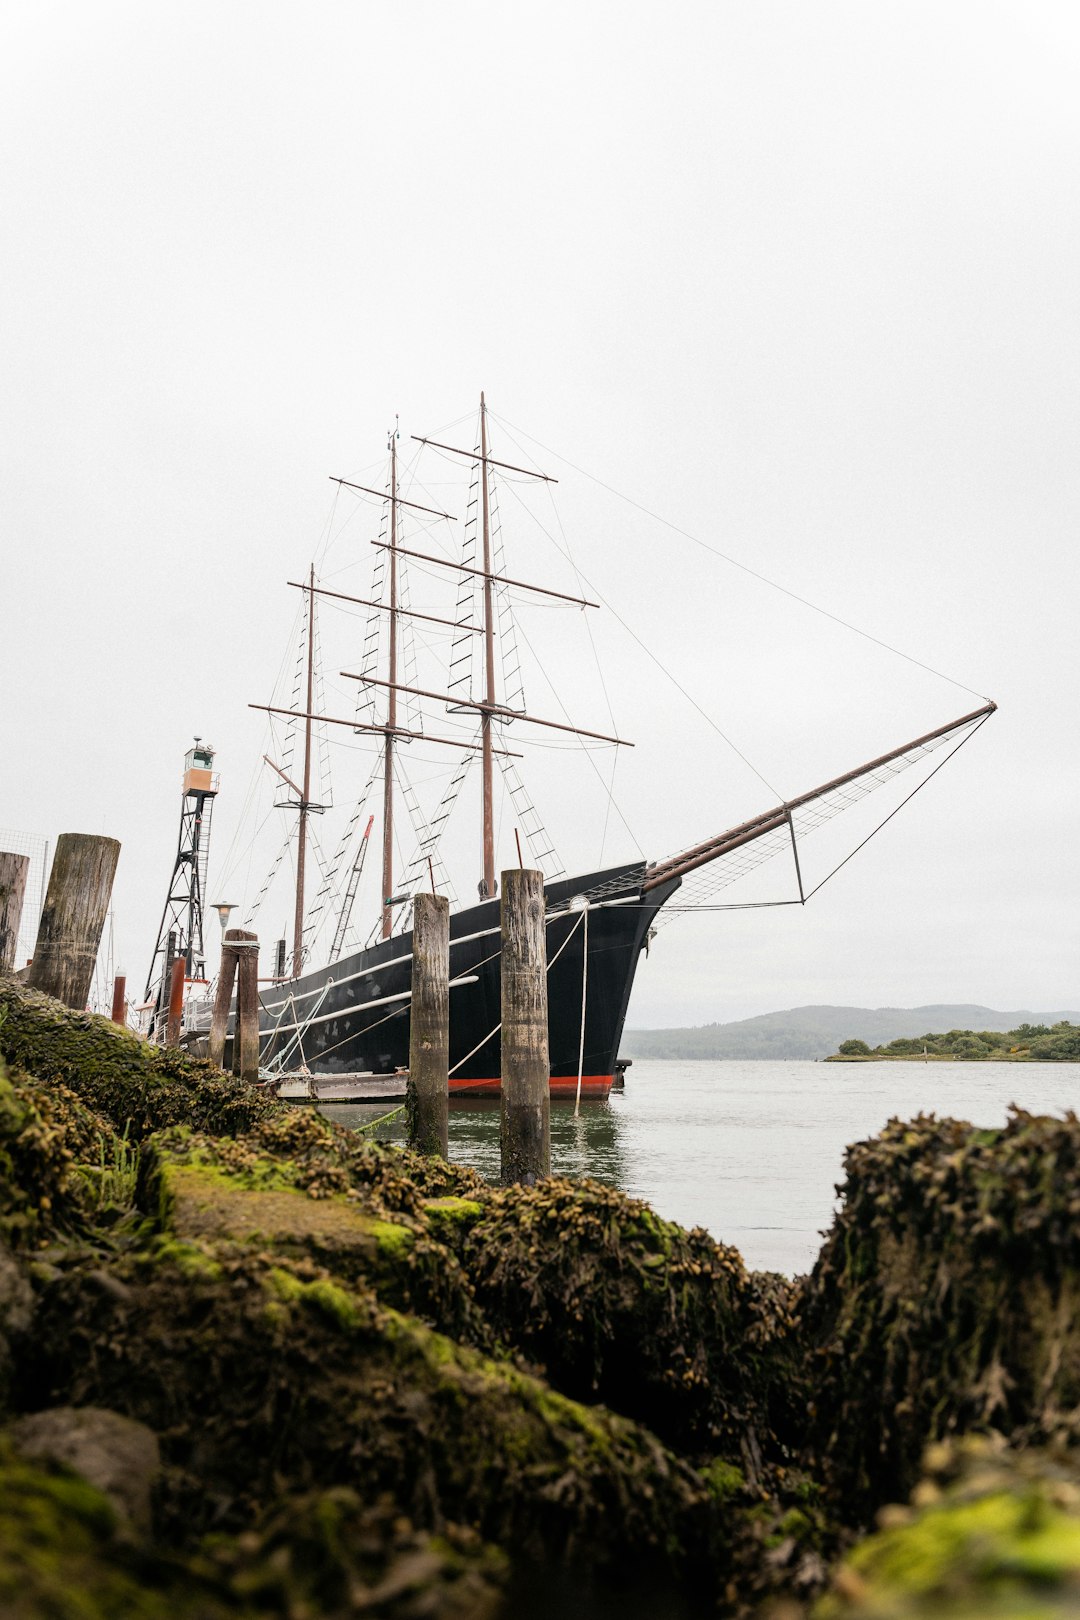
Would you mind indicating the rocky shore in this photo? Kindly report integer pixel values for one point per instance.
(255, 1365)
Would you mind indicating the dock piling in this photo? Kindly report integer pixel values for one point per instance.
(119, 1000)
(525, 1136)
(13, 873)
(219, 1021)
(177, 970)
(76, 904)
(427, 1091)
(246, 1032)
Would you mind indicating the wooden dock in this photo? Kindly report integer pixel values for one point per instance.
(342, 1088)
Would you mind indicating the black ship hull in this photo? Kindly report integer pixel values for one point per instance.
(353, 1016)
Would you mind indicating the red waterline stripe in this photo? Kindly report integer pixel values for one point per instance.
(592, 1085)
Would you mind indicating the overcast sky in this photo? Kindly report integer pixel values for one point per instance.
(800, 278)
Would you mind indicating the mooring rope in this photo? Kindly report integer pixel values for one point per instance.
(297, 1040)
(498, 1026)
(374, 1124)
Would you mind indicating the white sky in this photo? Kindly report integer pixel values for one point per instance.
(800, 277)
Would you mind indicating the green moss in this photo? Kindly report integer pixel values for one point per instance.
(192, 1258)
(1000, 1538)
(201, 1188)
(723, 1479)
(393, 1239)
(451, 1218)
(320, 1294)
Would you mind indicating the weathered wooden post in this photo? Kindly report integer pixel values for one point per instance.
(76, 903)
(119, 1000)
(426, 1097)
(246, 1029)
(219, 1020)
(13, 870)
(176, 1001)
(525, 1136)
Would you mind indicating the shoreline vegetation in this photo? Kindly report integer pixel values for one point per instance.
(816, 1031)
(1028, 1043)
(255, 1366)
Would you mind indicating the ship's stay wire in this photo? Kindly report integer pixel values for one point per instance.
(745, 568)
(568, 556)
(661, 666)
(600, 673)
(588, 752)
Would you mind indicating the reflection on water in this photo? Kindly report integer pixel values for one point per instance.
(588, 1145)
(752, 1151)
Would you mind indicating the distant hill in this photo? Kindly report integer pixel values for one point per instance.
(815, 1032)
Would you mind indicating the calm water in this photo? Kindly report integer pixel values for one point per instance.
(750, 1150)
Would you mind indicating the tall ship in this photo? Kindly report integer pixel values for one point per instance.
(338, 1001)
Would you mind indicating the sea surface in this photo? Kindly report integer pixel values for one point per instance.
(752, 1151)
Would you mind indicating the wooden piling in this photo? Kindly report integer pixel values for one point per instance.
(525, 1135)
(13, 871)
(176, 1001)
(427, 1091)
(76, 903)
(119, 1000)
(219, 1020)
(246, 1029)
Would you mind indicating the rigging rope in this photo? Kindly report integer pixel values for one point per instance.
(661, 666)
(745, 567)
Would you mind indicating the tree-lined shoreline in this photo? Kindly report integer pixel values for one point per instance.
(1028, 1043)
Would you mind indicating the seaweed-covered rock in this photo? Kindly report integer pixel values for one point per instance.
(65, 1556)
(946, 1297)
(567, 1274)
(117, 1456)
(329, 1205)
(60, 1556)
(261, 1377)
(135, 1085)
(40, 1189)
(374, 1378)
(16, 1315)
(325, 1158)
(618, 1305)
(330, 1554)
(992, 1534)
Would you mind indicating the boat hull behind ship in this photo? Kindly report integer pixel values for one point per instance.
(353, 1016)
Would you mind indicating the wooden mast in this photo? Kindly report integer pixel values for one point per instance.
(490, 709)
(391, 712)
(305, 797)
(489, 667)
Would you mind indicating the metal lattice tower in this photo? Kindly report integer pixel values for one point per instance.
(181, 930)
